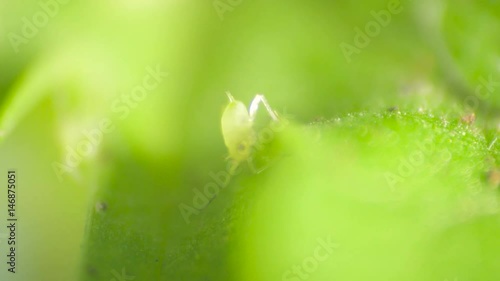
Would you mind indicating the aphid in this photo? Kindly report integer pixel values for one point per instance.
(238, 127)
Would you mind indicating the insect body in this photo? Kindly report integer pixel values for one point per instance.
(238, 127)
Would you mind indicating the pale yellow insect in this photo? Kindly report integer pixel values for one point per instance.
(238, 127)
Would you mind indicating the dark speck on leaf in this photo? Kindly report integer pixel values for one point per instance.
(91, 271)
(101, 207)
(241, 147)
(393, 109)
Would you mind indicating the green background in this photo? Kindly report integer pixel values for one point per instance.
(326, 174)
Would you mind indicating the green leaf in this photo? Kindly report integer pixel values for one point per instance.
(385, 189)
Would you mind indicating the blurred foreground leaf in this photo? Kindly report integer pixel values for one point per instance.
(376, 193)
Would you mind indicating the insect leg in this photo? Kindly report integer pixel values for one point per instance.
(230, 97)
(255, 105)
